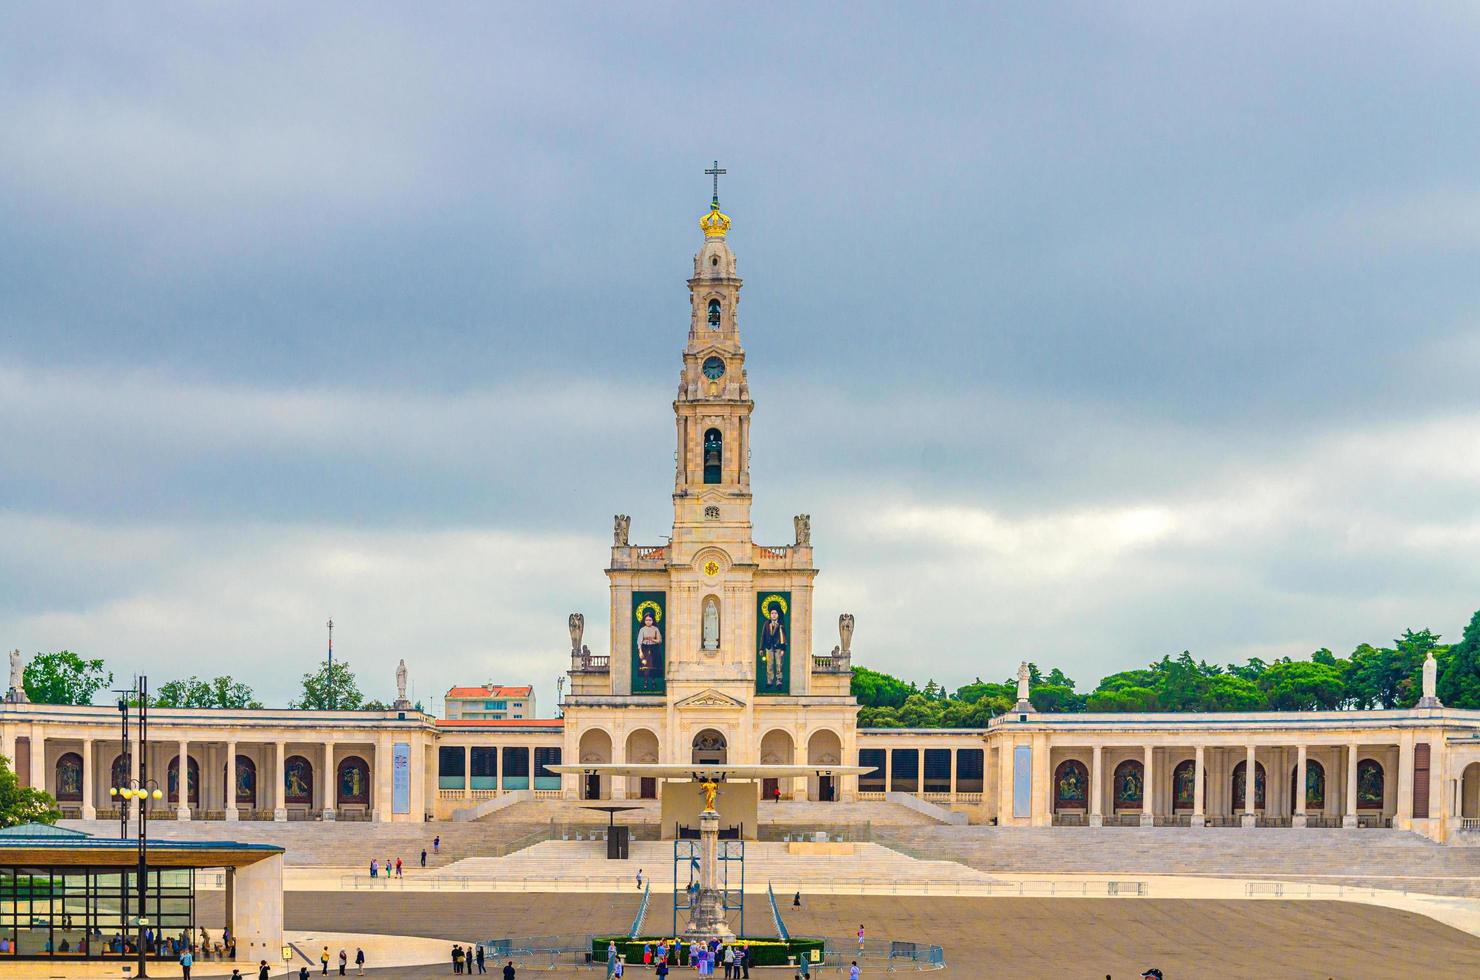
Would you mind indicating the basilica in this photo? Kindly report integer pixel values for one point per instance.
(713, 660)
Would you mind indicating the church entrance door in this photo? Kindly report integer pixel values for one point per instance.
(768, 789)
(649, 788)
(593, 787)
(825, 789)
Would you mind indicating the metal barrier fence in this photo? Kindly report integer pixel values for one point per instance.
(641, 915)
(781, 930)
(892, 955)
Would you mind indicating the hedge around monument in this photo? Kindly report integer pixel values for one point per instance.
(763, 952)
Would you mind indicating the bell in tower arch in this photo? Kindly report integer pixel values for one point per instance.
(714, 312)
(714, 455)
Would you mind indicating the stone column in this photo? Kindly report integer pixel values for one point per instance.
(182, 783)
(953, 774)
(1148, 789)
(1297, 819)
(280, 784)
(1199, 782)
(1250, 781)
(1349, 818)
(1096, 788)
(89, 791)
(38, 758)
(468, 772)
(380, 783)
(228, 797)
(888, 770)
(1403, 817)
(326, 782)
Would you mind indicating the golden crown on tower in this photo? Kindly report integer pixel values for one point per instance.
(715, 223)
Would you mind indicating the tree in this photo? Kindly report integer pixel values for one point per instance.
(1459, 678)
(878, 690)
(218, 692)
(1227, 692)
(979, 690)
(23, 804)
(1302, 685)
(330, 688)
(375, 704)
(64, 678)
(1125, 698)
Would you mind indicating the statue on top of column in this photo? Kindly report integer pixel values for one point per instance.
(1430, 697)
(17, 692)
(577, 624)
(401, 701)
(621, 524)
(802, 524)
(1024, 677)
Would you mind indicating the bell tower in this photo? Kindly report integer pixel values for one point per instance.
(712, 410)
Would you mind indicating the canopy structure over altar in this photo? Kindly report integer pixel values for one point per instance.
(737, 788)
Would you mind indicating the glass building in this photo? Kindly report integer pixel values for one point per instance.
(68, 895)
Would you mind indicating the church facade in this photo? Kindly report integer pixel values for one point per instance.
(712, 658)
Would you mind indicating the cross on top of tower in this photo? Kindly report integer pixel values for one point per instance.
(715, 171)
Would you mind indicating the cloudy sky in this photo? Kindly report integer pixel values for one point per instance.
(1085, 335)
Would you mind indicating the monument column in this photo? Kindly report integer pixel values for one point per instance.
(888, 770)
(1096, 788)
(280, 785)
(920, 774)
(380, 794)
(182, 782)
(1148, 790)
(1199, 784)
(953, 774)
(228, 795)
(1251, 773)
(1349, 818)
(1297, 819)
(468, 771)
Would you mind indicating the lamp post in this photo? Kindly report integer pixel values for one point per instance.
(143, 790)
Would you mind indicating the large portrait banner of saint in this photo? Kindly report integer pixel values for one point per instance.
(773, 643)
(649, 628)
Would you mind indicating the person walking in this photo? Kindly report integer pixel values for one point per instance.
(457, 959)
(186, 960)
(423, 857)
(796, 900)
(343, 960)
(853, 971)
(860, 937)
(662, 970)
(324, 961)
(729, 962)
(480, 959)
(437, 844)
(398, 867)
(360, 961)
(374, 868)
(744, 960)
(639, 879)
(509, 970)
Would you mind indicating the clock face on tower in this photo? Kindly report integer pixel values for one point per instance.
(714, 368)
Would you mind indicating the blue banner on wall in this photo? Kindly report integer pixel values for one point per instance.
(1022, 781)
(401, 778)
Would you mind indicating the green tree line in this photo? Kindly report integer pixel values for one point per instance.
(1369, 677)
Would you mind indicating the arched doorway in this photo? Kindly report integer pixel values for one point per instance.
(1128, 786)
(69, 778)
(1469, 791)
(1070, 787)
(297, 780)
(642, 746)
(777, 749)
(710, 748)
(1238, 786)
(246, 781)
(192, 782)
(596, 748)
(1315, 786)
(351, 782)
(824, 748)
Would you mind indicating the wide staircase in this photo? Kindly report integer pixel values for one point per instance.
(788, 812)
(584, 863)
(340, 844)
(1376, 858)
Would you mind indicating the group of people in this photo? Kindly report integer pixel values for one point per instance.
(465, 960)
(343, 962)
(699, 955)
(376, 867)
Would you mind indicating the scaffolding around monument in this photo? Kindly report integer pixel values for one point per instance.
(687, 861)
